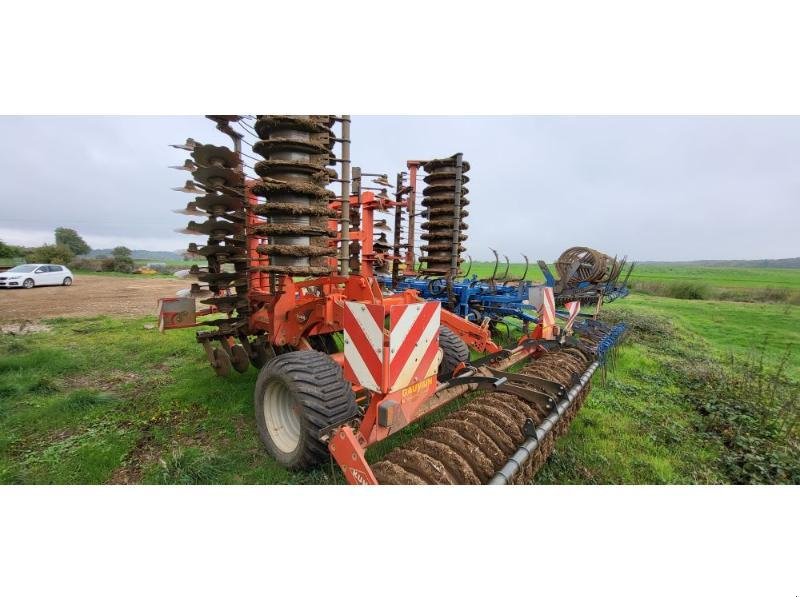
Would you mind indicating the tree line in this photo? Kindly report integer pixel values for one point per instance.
(70, 249)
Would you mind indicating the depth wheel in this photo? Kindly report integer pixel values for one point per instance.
(298, 394)
(222, 362)
(239, 358)
(455, 351)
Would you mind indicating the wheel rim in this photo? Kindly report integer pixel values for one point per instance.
(28, 283)
(280, 415)
(68, 281)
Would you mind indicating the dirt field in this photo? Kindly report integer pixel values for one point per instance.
(89, 296)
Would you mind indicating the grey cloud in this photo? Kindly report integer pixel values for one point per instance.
(656, 188)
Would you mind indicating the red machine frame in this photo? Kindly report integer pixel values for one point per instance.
(301, 309)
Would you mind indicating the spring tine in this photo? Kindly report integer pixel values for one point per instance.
(507, 267)
(630, 270)
(527, 264)
(620, 268)
(469, 267)
(496, 263)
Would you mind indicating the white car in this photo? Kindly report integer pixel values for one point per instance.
(28, 276)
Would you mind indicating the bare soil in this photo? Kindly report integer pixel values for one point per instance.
(89, 296)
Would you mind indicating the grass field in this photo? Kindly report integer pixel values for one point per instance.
(714, 276)
(690, 283)
(689, 401)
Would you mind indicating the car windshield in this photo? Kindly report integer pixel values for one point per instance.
(22, 269)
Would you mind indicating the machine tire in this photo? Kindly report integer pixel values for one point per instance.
(67, 281)
(454, 351)
(297, 394)
(28, 284)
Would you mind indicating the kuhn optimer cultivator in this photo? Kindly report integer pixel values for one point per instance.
(292, 288)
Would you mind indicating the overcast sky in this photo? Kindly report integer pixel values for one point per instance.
(654, 188)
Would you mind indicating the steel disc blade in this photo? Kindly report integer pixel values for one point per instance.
(222, 278)
(189, 145)
(193, 273)
(209, 155)
(382, 181)
(190, 188)
(215, 177)
(187, 231)
(215, 226)
(188, 165)
(196, 291)
(191, 210)
(224, 202)
(226, 250)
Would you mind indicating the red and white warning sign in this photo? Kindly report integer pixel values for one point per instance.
(547, 311)
(574, 308)
(413, 343)
(363, 344)
(411, 355)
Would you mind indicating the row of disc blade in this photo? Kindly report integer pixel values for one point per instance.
(217, 183)
(439, 214)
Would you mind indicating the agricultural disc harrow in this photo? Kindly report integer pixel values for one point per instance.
(291, 286)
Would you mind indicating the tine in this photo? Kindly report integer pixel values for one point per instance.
(496, 263)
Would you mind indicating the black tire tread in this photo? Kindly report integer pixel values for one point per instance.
(322, 391)
(455, 351)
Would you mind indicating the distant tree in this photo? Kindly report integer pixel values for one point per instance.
(121, 260)
(71, 239)
(121, 252)
(49, 253)
(124, 265)
(7, 251)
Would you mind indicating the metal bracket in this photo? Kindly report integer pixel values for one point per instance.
(490, 358)
(543, 401)
(546, 344)
(325, 432)
(500, 384)
(529, 429)
(554, 388)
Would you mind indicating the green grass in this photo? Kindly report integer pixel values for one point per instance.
(106, 400)
(728, 327)
(721, 276)
(779, 286)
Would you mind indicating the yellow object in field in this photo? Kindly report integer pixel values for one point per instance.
(146, 271)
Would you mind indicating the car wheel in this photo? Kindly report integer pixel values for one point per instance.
(67, 280)
(28, 284)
